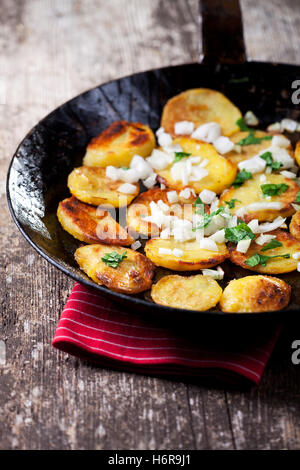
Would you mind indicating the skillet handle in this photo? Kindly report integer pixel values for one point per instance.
(222, 32)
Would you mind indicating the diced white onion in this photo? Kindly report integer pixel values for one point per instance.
(112, 173)
(270, 226)
(243, 245)
(298, 267)
(165, 233)
(127, 188)
(218, 274)
(164, 139)
(218, 237)
(172, 197)
(275, 127)
(288, 174)
(207, 132)
(251, 119)
(143, 167)
(262, 239)
(186, 193)
(262, 178)
(261, 206)
(280, 141)
(208, 244)
(150, 181)
(184, 127)
(296, 255)
(289, 125)
(253, 165)
(254, 226)
(207, 196)
(129, 176)
(223, 145)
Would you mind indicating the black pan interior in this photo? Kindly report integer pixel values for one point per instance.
(39, 169)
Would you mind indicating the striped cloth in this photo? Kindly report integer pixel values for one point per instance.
(93, 328)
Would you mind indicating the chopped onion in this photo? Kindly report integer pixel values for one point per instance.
(127, 188)
(208, 244)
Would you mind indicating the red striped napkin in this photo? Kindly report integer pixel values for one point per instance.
(93, 328)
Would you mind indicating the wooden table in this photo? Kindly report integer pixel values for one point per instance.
(51, 51)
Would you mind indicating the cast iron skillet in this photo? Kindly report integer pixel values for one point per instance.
(38, 172)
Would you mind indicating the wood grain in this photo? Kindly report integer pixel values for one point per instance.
(50, 51)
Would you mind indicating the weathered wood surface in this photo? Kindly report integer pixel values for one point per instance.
(50, 51)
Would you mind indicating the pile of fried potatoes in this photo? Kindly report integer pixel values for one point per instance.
(213, 188)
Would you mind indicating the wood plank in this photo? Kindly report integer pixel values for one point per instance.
(49, 52)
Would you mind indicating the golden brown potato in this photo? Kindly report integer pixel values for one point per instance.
(249, 151)
(295, 225)
(90, 184)
(201, 105)
(193, 258)
(191, 293)
(140, 208)
(273, 266)
(91, 225)
(134, 273)
(297, 152)
(255, 294)
(221, 172)
(250, 192)
(117, 144)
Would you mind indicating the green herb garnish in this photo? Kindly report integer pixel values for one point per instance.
(238, 233)
(242, 125)
(124, 167)
(298, 197)
(113, 259)
(241, 177)
(263, 259)
(274, 189)
(180, 155)
(231, 203)
(267, 156)
(207, 218)
(272, 244)
(239, 80)
(250, 139)
(197, 202)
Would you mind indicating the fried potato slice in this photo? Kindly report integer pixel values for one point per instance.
(91, 225)
(250, 192)
(275, 265)
(140, 208)
(295, 225)
(255, 294)
(297, 152)
(249, 151)
(201, 105)
(192, 293)
(221, 172)
(117, 144)
(193, 258)
(134, 273)
(90, 184)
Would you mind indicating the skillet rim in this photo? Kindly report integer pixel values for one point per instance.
(146, 304)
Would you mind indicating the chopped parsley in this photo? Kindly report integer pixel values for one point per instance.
(267, 156)
(272, 244)
(197, 202)
(207, 218)
(231, 203)
(241, 177)
(250, 139)
(298, 197)
(263, 259)
(180, 155)
(273, 189)
(124, 167)
(242, 125)
(113, 259)
(238, 233)
(239, 80)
